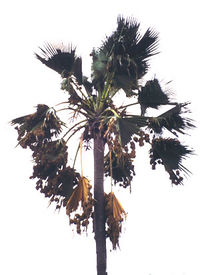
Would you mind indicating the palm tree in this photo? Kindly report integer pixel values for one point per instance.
(118, 66)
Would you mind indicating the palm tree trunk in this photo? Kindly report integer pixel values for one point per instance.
(99, 212)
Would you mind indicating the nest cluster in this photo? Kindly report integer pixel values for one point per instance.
(38, 131)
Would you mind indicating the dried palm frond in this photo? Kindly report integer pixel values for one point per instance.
(115, 215)
(33, 118)
(81, 195)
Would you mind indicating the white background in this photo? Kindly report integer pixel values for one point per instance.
(162, 232)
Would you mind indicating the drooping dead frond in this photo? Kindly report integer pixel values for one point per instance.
(115, 215)
(80, 196)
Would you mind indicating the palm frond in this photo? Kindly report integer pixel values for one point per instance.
(61, 59)
(127, 40)
(115, 215)
(33, 118)
(146, 46)
(81, 195)
(129, 126)
(172, 121)
(152, 95)
(122, 40)
(125, 53)
(19, 120)
(170, 153)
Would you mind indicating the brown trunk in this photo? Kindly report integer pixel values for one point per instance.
(99, 213)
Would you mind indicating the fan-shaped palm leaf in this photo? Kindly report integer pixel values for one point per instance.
(130, 125)
(152, 95)
(125, 53)
(170, 152)
(62, 60)
(172, 121)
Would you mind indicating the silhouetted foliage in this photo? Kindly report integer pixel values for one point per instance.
(119, 64)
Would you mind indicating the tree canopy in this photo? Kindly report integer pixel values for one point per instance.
(118, 65)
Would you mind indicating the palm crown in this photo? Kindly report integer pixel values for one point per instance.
(119, 64)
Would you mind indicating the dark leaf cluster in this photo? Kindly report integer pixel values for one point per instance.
(130, 126)
(125, 54)
(172, 121)
(152, 95)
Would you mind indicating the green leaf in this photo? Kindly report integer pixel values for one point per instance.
(99, 69)
(129, 126)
